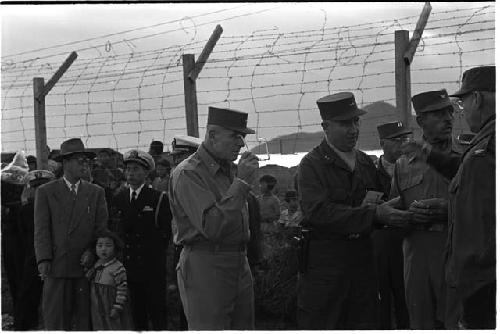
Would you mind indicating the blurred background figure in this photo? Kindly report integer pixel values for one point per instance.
(160, 182)
(269, 203)
(31, 159)
(30, 284)
(291, 216)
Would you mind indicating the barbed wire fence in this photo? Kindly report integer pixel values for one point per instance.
(121, 93)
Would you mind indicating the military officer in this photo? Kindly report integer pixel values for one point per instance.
(387, 242)
(144, 225)
(423, 191)
(338, 289)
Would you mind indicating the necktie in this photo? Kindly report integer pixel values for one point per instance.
(134, 197)
(73, 190)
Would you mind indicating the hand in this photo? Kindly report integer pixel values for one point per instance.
(114, 314)
(87, 259)
(392, 217)
(395, 202)
(417, 149)
(429, 210)
(44, 269)
(247, 167)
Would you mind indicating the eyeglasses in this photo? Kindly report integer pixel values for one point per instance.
(459, 103)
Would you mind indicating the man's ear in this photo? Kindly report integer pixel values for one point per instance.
(477, 99)
(420, 120)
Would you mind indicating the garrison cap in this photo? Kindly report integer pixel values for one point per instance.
(229, 119)
(431, 101)
(73, 146)
(339, 107)
(392, 130)
(39, 176)
(141, 157)
(480, 78)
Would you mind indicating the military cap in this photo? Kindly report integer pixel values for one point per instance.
(229, 119)
(431, 101)
(339, 107)
(73, 146)
(392, 130)
(185, 144)
(141, 157)
(480, 78)
(38, 176)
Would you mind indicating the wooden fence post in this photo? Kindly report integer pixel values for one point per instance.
(42, 159)
(190, 99)
(403, 81)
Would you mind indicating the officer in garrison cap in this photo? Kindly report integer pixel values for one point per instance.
(144, 224)
(470, 267)
(338, 287)
(387, 242)
(208, 197)
(424, 193)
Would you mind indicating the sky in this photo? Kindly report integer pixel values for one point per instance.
(31, 38)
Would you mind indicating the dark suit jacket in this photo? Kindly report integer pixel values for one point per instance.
(146, 239)
(65, 228)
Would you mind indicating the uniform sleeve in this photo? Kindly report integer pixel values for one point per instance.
(120, 278)
(206, 213)
(446, 164)
(43, 227)
(322, 208)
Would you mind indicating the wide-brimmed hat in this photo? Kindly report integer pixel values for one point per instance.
(143, 158)
(229, 119)
(71, 147)
(392, 130)
(431, 101)
(339, 107)
(480, 78)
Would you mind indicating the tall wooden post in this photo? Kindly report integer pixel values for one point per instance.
(403, 82)
(42, 159)
(190, 99)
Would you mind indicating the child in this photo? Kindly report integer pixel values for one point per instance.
(109, 298)
(269, 204)
(291, 216)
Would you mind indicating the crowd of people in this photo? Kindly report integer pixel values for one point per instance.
(403, 242)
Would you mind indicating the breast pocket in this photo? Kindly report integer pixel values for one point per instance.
(410, 180)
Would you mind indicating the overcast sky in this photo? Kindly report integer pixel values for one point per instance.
(38, 31)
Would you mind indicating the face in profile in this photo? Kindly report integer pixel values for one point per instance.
(226, 144)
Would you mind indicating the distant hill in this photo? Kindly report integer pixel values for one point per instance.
(377, 113)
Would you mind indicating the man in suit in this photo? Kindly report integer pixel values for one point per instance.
(144, 224)
(68, 214)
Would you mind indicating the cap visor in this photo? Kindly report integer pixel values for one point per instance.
(399, 133)
(242, 130)
(459, 93)
(436, 106)
(345, 117)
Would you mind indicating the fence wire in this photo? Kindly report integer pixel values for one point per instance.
(121, 93)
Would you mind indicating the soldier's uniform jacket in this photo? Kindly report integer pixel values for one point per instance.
(145, 230)
(471, 258)
(416, 180)
(331, 194)
(384, 177)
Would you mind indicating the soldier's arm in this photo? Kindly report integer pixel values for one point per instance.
(323, 207)
(43, 227)
(206, 213)
(446, 164)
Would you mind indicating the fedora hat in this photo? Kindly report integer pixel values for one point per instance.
(73, 146)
